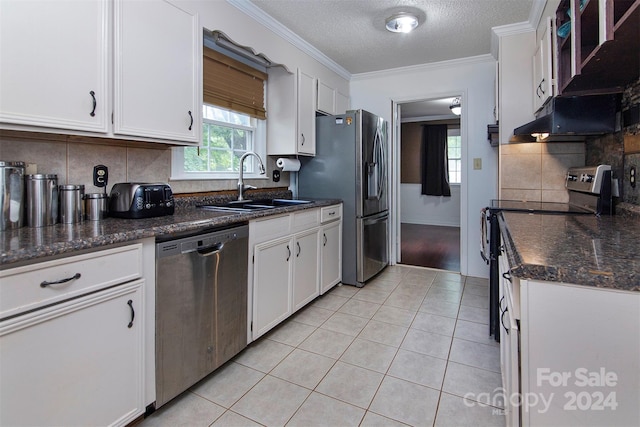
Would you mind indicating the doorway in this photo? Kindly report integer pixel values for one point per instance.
(428, 226)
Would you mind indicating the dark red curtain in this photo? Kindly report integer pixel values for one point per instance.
(435, 161)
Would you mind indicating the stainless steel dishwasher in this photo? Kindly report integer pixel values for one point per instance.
(201, 306)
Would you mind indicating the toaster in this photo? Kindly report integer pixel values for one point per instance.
(138, 200)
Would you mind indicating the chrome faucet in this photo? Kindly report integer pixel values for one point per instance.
(241, 184)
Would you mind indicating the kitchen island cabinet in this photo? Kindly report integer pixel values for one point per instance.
(73, 339)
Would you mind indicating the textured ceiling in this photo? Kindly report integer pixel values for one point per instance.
(352, 32)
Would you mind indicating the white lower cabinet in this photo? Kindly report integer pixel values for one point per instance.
(331, 248)
(570, 354)
(290, 255)
(75, 363)
(271, 284)
(73, 340)
(305, 268)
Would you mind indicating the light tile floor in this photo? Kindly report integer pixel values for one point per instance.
(406, 349)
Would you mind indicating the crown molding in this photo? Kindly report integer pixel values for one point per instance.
(508, 30)
(265, 19)
(472, 60)
(537, 9)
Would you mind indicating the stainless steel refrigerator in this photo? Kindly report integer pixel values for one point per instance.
(351, 164)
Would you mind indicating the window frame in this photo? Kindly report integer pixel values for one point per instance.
(454, 132)
(259, 144)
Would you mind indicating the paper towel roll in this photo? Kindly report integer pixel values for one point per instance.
(290, 165)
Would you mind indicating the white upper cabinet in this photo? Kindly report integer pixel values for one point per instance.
(291, 112)
(543, 76)
(58, 70)
(330, 101)
(306, 135)
(54, 64)
(157, 71)
(326, 102)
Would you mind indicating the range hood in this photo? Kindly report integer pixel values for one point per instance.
(571, 118)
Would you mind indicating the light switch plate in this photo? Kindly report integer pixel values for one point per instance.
(477, 163)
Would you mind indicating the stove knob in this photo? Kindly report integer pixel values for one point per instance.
(589, 178)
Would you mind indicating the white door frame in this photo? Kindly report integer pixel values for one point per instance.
(395, 211)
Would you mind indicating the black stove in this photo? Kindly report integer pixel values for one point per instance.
(590, 193)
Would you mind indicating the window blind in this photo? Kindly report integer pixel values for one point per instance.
(233, 85)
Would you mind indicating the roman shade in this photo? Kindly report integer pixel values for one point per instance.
(233, 85)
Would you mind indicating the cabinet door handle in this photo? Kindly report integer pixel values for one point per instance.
(500, 303)
(502, 320)
(289, 252)
(133, 313)
(58, 282)
(507, 276)
(95, 103)
(542, 87)
(299, 250)
(325, 239)
(191, 117)
(303, 139)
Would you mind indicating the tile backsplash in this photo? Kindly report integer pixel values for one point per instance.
(536, 172)
(73, 159)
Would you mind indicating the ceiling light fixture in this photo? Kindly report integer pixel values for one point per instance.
(455, 106)
(402, 22)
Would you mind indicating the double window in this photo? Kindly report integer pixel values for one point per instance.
(233, 121)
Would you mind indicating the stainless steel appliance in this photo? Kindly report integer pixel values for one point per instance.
(591, 191)
(138, 200)
(201, 306)
(11, 195)
(351, 164)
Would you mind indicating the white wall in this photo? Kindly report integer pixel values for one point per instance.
(473, 78)
(417, 208)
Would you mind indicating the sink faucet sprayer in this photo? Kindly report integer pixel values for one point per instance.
(241, 184)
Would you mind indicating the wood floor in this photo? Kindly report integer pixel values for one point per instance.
(430, 246)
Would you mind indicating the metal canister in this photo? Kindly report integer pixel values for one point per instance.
(95, 206)
(11, 195)
(41, 199)
(71, 203)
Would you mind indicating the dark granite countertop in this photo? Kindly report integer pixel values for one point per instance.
(31, 244)
(579, 249)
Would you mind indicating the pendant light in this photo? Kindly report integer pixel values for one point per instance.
(455, 106)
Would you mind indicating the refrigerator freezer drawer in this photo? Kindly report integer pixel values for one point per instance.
(372, 250)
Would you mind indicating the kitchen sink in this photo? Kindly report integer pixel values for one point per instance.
(254, 205)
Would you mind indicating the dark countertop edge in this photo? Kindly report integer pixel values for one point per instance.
(550, 273)
(14, 258)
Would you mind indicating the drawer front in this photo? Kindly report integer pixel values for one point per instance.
(271, 228)
(330, 213)
(30, 287)
(305, 219)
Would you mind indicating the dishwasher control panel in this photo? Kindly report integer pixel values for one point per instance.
(212, 240)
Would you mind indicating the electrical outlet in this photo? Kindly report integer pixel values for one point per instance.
(276, 175)
(477, 163)
(632, 176)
